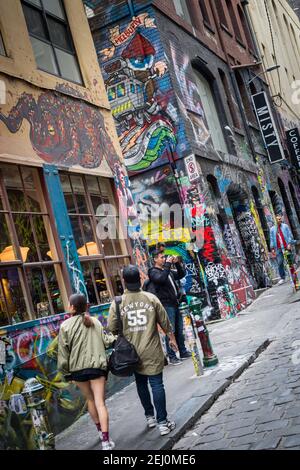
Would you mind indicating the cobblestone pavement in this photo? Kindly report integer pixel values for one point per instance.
(260, 410)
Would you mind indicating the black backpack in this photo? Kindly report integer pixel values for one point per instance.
(149, 286)
(124, 359)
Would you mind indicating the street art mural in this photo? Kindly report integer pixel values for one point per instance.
(130, 222)
(155, 193)
(63, 131)
(30, 350)
(140, 94)
(208, 255)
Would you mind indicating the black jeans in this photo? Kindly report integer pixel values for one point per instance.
(158, 392)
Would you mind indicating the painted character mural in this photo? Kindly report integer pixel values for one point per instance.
(138, 89)
(62, 130)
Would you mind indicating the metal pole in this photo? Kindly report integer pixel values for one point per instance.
(210, 359)
(33, 393)
(191, 338)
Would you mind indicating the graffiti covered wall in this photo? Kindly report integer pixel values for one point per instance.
(53, 128)
(30, 351)
(140, 93)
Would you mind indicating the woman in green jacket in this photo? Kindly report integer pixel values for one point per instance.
(82, 359)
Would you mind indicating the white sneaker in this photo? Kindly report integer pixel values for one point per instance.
(282, 281)
(108, 445)
(165, 428)
(151, 421)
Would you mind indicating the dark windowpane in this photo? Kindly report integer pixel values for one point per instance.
(78, 234)
(14, 188)
(118, 247)
(68, 66)
(39, 227)
(38, 292)
(6, 250)
(204, 11)
(54, 7)
(59, 34)
(55, 294)
(89, 235)
(1, 200)
(28, 175)
(108, 247)
(78, 190)
(95, 283)
(67, 190)
(35, 2)
(106, 188)
(12, 303)
(114, 268)
(25, 237)
(92, 184)
(44, 56)
(35, 22)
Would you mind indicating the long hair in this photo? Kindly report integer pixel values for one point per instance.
(79, 302)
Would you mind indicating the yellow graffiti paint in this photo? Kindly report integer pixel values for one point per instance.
(123, 107)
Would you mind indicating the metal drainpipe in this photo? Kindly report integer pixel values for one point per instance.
(234, 82)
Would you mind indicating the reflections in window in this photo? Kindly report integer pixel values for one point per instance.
(12, 302)
(26, 237)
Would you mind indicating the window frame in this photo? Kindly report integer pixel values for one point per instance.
(185, 10)
(211, 94)
(65, 22)
(23, 266)
(101, 258)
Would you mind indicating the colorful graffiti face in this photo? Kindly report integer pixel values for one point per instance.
(139, 91)
(63, 130)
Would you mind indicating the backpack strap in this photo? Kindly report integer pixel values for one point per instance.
(118, 301)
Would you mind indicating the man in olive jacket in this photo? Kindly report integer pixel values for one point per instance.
(140, 313)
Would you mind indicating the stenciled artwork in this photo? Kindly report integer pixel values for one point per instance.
(140, 93)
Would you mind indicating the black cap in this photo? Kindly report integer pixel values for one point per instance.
(131, 276)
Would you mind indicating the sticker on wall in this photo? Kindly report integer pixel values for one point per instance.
(192, 168)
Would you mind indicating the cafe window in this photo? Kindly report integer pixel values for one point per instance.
(30, 271)
(51, 38)
(89, 199)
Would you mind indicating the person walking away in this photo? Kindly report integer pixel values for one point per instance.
(82, 359)
(140, 313)
(281, 239)
(164, 279)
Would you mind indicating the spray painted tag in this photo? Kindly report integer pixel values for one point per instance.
(2, 353)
